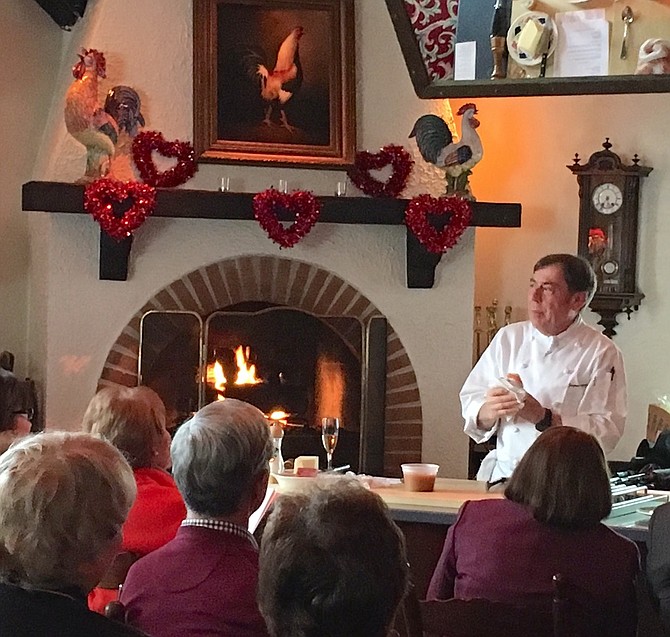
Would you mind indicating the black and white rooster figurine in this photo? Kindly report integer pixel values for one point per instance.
(436, 145)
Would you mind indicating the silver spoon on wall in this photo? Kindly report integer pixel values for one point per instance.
(627, 17)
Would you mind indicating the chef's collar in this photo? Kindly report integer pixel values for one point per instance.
(554, 342)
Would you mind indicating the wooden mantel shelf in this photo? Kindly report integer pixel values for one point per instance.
(51, 196)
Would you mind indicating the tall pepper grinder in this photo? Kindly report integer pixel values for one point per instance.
(499, 27)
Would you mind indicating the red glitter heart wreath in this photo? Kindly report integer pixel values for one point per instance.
(146, 142)
(303, 205)
(416, 219)
(101, 195)
(396, 157)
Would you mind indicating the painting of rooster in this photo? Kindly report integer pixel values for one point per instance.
(274, 82)
(279, 84)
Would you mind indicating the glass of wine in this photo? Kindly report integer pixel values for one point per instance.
(330, 430)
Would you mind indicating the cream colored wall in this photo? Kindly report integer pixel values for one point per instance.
(528, 144)
(30, 51)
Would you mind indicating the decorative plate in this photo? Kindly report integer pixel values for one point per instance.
(515, 31)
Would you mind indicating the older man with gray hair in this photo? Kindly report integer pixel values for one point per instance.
(204, 581)
(63, 500)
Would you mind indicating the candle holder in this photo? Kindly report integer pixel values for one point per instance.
(225, 184)
(283, 186)
(341, 189)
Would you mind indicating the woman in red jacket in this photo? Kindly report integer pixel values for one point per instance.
(133, 420)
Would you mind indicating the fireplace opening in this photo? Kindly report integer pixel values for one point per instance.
(280, 359)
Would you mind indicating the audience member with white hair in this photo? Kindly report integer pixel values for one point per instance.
(63, 500)
(332, 564)
(133, 420)
(204, 581)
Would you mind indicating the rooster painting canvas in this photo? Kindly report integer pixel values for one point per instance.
(274, 78)
(278, 85)
(437, 146)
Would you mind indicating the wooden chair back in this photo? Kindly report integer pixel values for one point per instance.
(658, 420)
(566, 613)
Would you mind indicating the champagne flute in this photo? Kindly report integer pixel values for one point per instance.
(330, 430)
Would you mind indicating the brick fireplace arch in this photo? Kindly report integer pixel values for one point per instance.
(294, 284)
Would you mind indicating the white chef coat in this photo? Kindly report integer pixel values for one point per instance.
(578, 374)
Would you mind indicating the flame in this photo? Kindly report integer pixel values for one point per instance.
(216, 377)
(279, 415)
(246, 374)
(330, 388)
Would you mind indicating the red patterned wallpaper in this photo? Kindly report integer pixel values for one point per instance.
(434, 22)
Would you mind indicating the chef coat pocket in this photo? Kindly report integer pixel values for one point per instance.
(572, 399)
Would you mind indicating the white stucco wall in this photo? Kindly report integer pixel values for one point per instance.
(29, 49)
(152, 53)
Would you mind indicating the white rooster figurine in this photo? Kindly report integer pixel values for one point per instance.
(436, 145)
(85, 119)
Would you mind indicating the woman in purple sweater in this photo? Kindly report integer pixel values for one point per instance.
(549, 522)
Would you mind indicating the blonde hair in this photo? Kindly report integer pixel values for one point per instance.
(131, 418)
(63, 500)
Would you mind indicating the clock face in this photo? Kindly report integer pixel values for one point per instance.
(607, 198)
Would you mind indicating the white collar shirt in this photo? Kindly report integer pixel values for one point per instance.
(578, 374)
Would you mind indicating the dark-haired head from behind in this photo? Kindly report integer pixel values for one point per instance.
(332, 564)
(564, 480)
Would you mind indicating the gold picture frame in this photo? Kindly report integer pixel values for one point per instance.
(265, 93)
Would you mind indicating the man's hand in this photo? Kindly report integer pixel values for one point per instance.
(531, 411)
(499, 403)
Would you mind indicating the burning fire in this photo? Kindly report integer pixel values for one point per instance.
(246, 374)
(216, 377)
(280, 416)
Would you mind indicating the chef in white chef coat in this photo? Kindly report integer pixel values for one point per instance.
(565, 372)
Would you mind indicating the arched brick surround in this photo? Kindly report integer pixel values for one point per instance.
(294, 284)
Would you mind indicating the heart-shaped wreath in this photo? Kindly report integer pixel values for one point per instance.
(301, 204)
(396, 157)
(416, 219)
(101, 196)
(146, 142)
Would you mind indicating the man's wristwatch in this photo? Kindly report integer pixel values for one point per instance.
(545, 423)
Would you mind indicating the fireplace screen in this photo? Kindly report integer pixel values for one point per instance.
(292, 365)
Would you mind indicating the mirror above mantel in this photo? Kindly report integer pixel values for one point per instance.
(428, 38)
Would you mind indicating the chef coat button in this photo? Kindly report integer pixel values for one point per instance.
(524, 365)
(567, 371)
(515, 429)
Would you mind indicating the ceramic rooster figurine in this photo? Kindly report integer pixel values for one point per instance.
(85, 119)
(437, 146)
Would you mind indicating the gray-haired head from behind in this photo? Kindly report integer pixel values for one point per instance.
(218, 454)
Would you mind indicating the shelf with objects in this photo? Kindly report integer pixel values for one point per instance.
(628, 50)
(58, 197)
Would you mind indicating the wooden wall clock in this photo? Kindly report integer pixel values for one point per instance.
(609, 198)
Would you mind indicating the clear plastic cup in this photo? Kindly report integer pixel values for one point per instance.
(419, 476)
